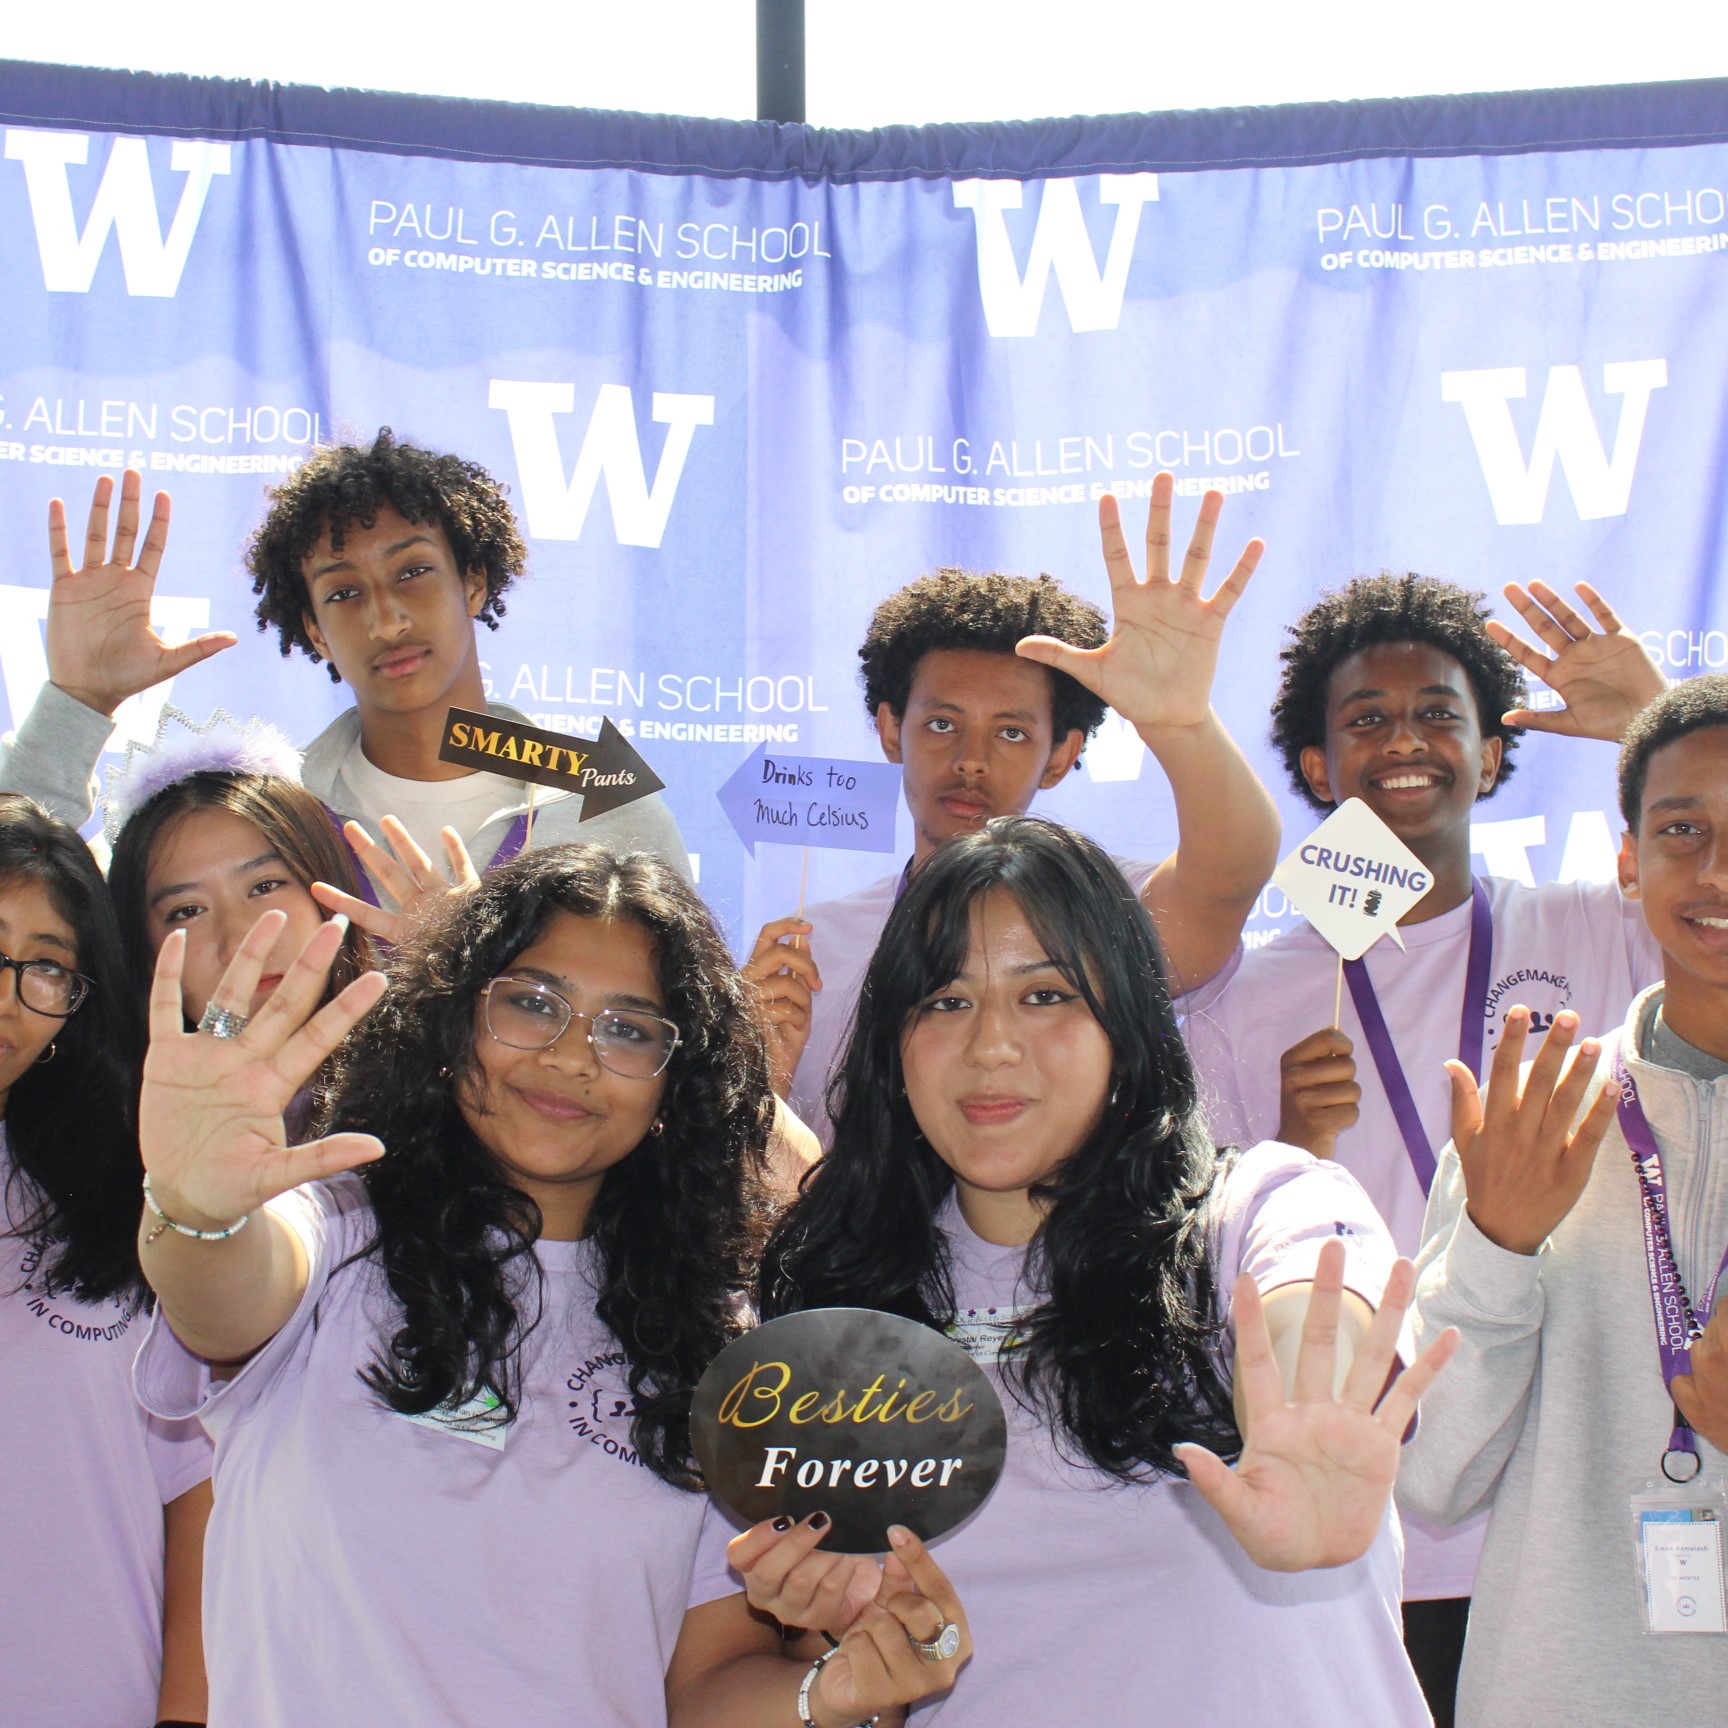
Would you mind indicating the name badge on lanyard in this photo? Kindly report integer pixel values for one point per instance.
(1678, 1324)
(1386, 1064)
(1678, 1532)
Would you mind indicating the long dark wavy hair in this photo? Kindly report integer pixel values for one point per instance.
(1122, 1357)
(677, 1223)
(72, 1122)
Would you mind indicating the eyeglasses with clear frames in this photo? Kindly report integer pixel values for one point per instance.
(46, 988)
(528, 1015)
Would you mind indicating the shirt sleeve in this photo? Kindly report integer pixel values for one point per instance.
(180, 1456)
(175, 1385)
(1474, 1413)
(1281, 1206)
(52, 757)
(710, 1576)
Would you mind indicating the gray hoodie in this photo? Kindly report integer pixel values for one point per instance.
(54, 754)
(1554, 1413)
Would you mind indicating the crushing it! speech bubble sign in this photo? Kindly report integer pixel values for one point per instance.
(868, 1417)
(1353, 879)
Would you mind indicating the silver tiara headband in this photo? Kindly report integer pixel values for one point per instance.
(221, 745)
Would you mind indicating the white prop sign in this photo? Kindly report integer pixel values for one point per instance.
(1353, 879)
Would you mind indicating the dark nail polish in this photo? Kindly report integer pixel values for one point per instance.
(818, 1520)
(782, 1523)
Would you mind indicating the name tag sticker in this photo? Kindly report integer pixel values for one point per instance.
(1680, 1562)
(467, 1421)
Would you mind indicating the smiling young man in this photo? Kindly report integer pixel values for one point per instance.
(1400, 691)
(985, 689)
(1576, 1237)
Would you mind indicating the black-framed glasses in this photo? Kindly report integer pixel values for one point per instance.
(530, 1016)
(45, 987)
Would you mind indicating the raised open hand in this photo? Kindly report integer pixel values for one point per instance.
(210, 1114)
(101, 648)
(1603, 676)
(405, 873)
(1317, 1468)
(1524, 1163)
(1156, 670)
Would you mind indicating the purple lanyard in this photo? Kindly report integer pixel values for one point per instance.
(1678, 1324)
(905, 881)
(1386, 1063)
(512, 844)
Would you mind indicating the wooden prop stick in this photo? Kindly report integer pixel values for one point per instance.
(1338, 996)
(803, 883)
(528, 832)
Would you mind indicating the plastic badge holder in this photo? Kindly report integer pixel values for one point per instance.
(1678, 1536)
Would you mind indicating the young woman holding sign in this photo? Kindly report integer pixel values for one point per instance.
(1020, 1159)
(450, 1398)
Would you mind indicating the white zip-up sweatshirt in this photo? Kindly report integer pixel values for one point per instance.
(1554, 1413)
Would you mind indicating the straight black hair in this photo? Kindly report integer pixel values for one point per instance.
(72, 1122)
(1122, 1355)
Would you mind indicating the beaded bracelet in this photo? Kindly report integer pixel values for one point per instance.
(810, 1680)
(165, 1223)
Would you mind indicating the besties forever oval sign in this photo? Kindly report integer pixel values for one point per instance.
(870, 1418)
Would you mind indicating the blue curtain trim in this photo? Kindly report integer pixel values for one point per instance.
(1633, 116)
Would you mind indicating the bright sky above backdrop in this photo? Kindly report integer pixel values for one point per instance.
(897, 60)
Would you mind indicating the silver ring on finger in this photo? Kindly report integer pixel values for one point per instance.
(222, 1022)
(941, 1648)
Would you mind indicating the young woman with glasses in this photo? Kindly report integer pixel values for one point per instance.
(453, 1469)
(102, 1513)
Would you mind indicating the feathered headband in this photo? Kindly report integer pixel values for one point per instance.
(222, 745)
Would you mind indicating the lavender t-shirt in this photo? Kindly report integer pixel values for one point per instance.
(85, 1477)
(1094, 1602)
(364, 1568)
(1577, 945)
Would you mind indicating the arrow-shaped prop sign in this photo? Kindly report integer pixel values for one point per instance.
(812, 801)
(608, 771)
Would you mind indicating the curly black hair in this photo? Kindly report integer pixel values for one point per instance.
(1390, 608)
(1124, 1354)
(677, 1223)
(952, 608)
(1694, 706)
(343, 485)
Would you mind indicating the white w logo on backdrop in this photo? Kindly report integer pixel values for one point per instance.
(557, 507)
(1601, 485)
(24, 656)
(1061, 244)
(125, 202)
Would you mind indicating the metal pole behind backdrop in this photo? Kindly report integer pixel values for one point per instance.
(780, 60)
